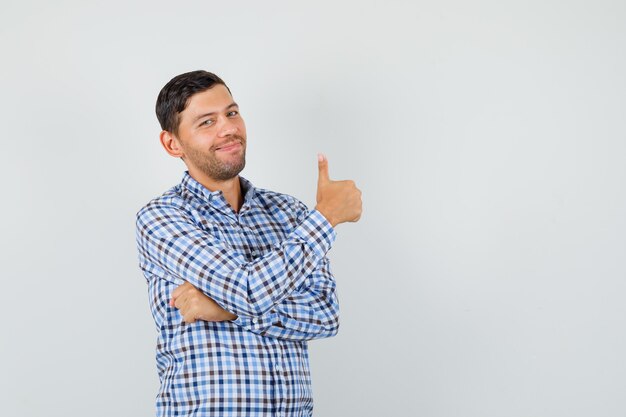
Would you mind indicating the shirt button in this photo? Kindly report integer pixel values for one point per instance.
(255, 320)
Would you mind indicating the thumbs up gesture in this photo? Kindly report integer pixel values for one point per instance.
(338, 201)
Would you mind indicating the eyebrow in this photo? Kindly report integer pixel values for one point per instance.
(231, 105)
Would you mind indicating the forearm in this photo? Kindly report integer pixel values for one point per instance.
(281, 326)
(311, 312)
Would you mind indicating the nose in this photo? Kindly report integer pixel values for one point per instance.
(227, 128)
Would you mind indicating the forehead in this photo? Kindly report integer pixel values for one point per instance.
(215, 99)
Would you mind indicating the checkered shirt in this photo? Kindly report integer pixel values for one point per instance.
(267, 264)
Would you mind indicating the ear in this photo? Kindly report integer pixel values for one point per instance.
(171, 144)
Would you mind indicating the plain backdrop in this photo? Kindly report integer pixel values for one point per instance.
(486, 277)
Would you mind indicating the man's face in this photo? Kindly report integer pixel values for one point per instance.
(212, 134)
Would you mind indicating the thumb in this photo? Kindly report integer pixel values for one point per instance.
(322, 164)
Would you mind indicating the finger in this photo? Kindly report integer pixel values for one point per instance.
(179, 291)
(322, 165)
(180, 302)
(190, 314)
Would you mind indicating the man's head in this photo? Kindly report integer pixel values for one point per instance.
(174, 96)
(199, 118)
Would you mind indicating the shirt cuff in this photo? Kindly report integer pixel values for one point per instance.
(317, 232)
(256, 323)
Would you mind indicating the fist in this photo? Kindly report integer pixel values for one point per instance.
(194, 305)
(338, 201)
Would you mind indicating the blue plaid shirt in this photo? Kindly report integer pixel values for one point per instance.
(267, 264)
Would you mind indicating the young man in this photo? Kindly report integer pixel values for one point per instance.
(238, 276)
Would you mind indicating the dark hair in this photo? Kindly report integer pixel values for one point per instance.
(175, 95)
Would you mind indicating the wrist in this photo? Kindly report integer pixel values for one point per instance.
(326, 215)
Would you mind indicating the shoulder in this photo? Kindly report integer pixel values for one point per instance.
(163, 207)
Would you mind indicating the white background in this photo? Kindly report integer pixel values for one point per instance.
(486, 277)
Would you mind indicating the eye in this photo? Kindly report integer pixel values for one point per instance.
(233, 113)
(207, 122)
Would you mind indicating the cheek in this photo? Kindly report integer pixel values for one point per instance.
(242, 127)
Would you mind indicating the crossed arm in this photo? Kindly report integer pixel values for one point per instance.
(287, 293)
(309, 312)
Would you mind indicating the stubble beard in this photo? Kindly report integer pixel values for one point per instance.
(214, 167)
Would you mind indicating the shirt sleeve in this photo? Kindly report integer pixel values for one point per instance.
(168, 237)
(310, 312)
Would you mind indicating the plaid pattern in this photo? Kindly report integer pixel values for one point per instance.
(267, 264)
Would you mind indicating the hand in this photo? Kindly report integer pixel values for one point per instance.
(195, 305)
(338, 201)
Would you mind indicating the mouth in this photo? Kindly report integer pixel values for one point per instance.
(229, 147)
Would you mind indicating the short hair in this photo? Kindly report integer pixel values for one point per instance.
(174, 96)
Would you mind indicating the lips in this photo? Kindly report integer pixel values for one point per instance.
(229, 146)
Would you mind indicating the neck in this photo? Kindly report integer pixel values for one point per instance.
(231, 188)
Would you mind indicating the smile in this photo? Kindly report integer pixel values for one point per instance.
(230, 147)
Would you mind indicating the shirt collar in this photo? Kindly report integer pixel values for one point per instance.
(192, 186)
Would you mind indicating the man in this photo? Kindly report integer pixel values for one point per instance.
(238, 276)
